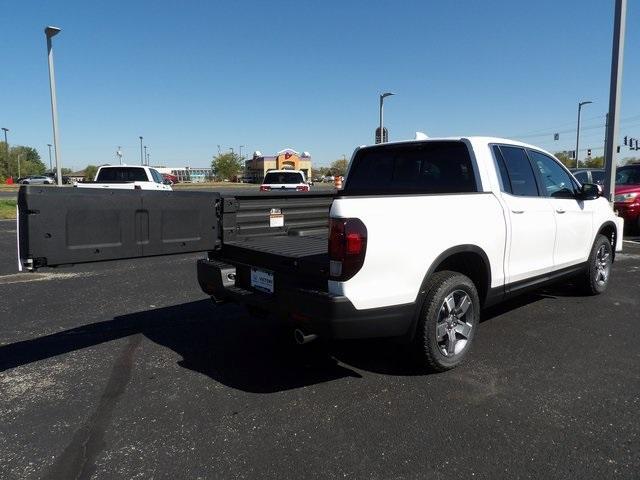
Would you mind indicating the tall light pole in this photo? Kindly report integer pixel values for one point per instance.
(617, 59)
(51, 32)
(578, 130)
(141, 158)
(145, 155)
(241, 146)
(382, 97)
(6, 148)
(50, 164)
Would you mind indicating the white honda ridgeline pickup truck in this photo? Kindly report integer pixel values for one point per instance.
(422, 237)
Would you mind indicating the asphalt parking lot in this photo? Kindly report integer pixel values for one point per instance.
(126, 370)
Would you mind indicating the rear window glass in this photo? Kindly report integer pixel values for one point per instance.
(283, 177)
(429, 167)
(122, 174)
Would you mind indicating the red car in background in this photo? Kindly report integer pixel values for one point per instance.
(627, 199)
(172, 178)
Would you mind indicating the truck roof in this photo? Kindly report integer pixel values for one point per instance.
(473, 139)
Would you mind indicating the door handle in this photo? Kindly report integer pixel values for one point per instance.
(559, 210)
(517, 211)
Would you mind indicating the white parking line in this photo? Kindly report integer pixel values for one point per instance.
(35, 277)
(632, 241)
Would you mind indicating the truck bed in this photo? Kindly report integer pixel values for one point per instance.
(299, 246)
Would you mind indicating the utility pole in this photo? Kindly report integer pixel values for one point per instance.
(6, 148)
(241, 151)
(146, 158)
(578, 131)
(51, 32)
(50, 164)
(382, 97)
(617, 60)
(141, 158)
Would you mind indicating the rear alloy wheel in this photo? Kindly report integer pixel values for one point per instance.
(448, 322)
(596, 278)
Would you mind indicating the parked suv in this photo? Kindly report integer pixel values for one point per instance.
(284, 180)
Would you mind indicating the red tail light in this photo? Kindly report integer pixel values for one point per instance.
(302, 188)
(347, 247)
(265, 188)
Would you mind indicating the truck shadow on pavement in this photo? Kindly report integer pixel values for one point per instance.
(243, 352)
(224, 343)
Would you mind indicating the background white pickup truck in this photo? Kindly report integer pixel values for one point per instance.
(424, 235)
(127, 177)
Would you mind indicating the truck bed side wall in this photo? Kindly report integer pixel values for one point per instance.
(409, 232)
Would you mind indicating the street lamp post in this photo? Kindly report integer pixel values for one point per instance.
(51, 32)
(578, 130)
(50, 164)
(145, 155)
(141, 157)
(6, 148)
(382, 97)
(241, 146)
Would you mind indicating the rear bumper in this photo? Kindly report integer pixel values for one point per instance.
(314, 311)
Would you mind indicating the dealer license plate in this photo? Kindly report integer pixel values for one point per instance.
(262, 280)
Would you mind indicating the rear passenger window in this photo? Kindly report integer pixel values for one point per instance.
(517, 175)
(429, 167)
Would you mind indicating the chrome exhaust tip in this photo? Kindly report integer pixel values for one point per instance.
(301, 338)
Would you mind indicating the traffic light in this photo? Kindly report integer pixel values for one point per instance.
(636, 144)
(588, 152)
(631, 144)
(625, 140)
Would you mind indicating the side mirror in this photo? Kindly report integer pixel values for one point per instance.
(590, 191)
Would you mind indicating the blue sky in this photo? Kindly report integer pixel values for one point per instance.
(192, 75)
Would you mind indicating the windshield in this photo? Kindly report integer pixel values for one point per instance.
(628, 175)
(283, 177)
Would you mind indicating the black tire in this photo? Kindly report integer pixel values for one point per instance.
(444, 335)
(595, 279)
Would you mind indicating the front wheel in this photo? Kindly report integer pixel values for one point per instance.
(596, 278)
(448, 321)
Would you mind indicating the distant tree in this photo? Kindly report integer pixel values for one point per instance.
(226, 166)
(90, 172)
(66, 171)
(322, 172)
(25, 161)
(593, 162)
(566, 160)
(630, 161)
(339, 167)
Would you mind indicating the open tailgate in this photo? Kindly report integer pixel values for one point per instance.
(58, 226)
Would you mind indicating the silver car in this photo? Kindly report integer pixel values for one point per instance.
(37, 180)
